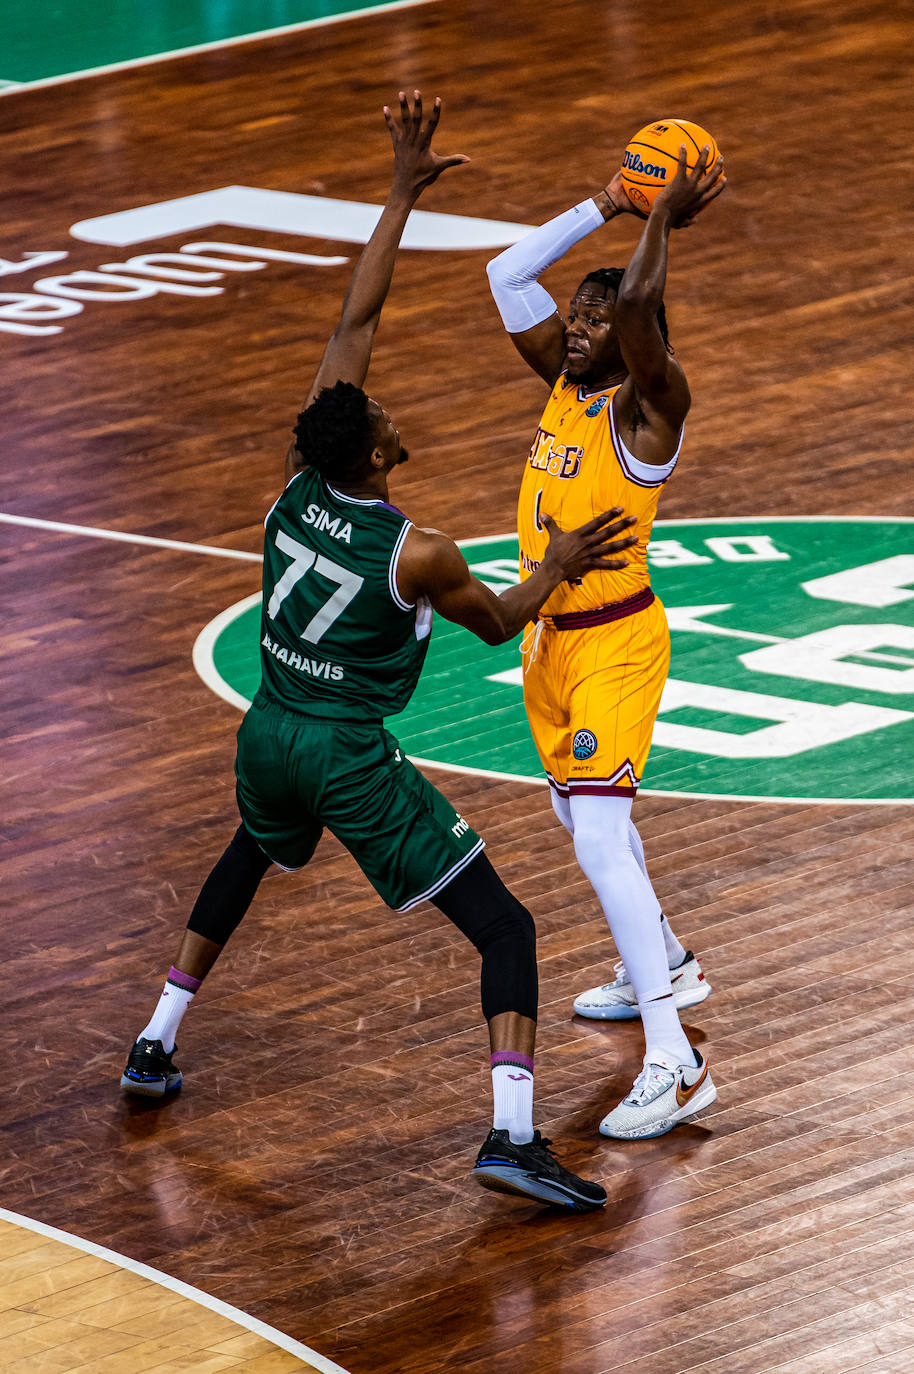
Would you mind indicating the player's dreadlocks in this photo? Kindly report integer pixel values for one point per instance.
(335, 435)
(610, 278)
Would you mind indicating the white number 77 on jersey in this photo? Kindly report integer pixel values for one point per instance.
(303, 559)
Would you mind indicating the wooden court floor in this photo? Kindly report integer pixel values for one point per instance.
(313, 1170)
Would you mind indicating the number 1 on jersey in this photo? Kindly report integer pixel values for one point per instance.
(303, 559)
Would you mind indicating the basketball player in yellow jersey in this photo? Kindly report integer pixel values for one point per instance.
(597, 657)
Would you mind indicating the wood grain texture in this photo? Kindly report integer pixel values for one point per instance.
(313, 1170)
(62, 1311)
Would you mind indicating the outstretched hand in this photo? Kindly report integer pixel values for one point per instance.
(590, 546)
(415, 164)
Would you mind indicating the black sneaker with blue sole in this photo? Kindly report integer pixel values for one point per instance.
(149, 1071)
(532, 1171)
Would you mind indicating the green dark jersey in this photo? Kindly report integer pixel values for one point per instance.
(337, 639)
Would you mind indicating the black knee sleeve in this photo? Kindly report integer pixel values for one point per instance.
(480, 906)
(229, 890)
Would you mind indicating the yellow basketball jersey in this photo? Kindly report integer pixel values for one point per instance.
(578, 467)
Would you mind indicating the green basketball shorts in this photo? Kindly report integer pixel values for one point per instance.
(296, 774)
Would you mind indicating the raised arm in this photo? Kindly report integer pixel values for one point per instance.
(416, 166)
(528, 312)
(432, 566)
(654, 400)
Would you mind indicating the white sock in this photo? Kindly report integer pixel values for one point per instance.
(675, 952)
(177, 995)
(662, 1030)
(512, 1091)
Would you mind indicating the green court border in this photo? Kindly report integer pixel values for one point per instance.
(9, 87)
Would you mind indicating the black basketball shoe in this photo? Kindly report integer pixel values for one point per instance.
(533, 1171)
(150, 1071)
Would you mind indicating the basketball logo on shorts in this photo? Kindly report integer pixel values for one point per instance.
(584, 744)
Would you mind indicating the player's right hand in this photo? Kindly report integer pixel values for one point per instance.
(591, 546)
(415, 165)
(689, 192)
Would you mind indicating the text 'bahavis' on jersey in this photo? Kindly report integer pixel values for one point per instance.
(577, 467)
(337, 639)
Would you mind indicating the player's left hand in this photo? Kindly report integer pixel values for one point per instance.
(618, 198)
(415, 164)
(593, 545)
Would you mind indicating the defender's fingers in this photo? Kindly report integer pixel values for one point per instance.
(608, 564)
(404, 107)
(599, 521)
(547, 521)
(609, 546)
(607, 532)
(417, 109)
(433, 117)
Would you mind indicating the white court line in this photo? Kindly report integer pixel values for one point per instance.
(210, 47)
(205, 643)
(93, 533)
(184, 1290)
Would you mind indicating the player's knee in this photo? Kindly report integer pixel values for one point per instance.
(591, 838)
(602, 834)
(246, 852)
(509, 925)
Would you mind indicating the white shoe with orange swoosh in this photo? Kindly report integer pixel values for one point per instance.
(663, 1094)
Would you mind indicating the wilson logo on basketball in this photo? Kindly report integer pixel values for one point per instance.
(632, 163)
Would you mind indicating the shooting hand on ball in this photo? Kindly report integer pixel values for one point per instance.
(689, 192)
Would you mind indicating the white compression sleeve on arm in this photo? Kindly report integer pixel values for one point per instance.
(521, 301)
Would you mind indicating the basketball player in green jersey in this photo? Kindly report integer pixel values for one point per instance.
(349, 585)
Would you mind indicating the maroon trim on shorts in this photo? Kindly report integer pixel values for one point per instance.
(601, 615)
(560, 787)
(601, 790)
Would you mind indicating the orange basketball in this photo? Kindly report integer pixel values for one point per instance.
(652, 156)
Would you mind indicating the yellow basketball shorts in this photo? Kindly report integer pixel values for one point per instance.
(592, 697)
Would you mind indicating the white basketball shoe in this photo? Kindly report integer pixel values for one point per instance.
(663, 1094)
(617, 1001)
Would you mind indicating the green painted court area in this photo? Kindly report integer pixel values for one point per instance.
(47, 40)
(792, 672)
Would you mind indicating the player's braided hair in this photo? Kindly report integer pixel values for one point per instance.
(610, 278)
(335, 435)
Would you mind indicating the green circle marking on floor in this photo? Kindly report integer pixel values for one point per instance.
(792, 674)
